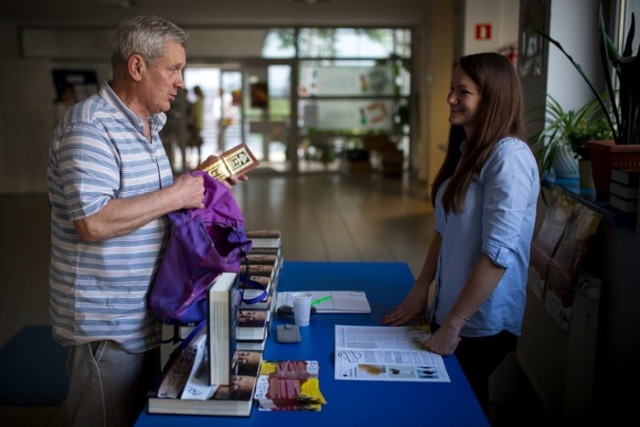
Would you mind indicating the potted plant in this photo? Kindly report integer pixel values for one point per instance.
(623, 112)
(558, 141)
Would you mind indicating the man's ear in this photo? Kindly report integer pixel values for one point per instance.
(136, 67)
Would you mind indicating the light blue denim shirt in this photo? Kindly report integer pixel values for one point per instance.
(497, 219)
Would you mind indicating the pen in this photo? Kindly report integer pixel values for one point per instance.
(319, 300)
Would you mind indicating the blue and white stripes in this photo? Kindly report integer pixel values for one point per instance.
(98, 290)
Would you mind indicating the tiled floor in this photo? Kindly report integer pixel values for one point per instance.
(324, 217)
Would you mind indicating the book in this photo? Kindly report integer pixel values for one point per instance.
(181, 363)
(272, 232)
(331, 301)
(386, 353)
(289, 385)
(628, 177)
(264, 304)
(236, 161)
(263, 259)
(223, 302)
(277, 250)
(258, 270)
(623, 191)
(265, 242)
(202, 398)
(623, 205)
(256, 293)
(251, 345)
(252, 325)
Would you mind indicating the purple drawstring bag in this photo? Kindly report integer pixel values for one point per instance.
(203, 243)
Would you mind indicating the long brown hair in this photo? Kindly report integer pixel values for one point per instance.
(500, 114)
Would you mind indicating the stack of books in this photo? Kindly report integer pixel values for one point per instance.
(624, 189)
(207, 374)
(263, 266)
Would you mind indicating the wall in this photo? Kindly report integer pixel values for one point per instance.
(501, 15)
(26, 123)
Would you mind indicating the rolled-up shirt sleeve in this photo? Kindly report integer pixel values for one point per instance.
(508, 189)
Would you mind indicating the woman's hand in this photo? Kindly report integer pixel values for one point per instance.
(414, 305)
(444, 341)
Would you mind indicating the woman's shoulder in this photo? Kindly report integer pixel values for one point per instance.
(512, 152)
(510, 143)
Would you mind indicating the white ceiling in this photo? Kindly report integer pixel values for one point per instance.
(216, 12)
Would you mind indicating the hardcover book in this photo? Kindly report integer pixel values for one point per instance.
(252, 325)
(623, 205)
(255, 292)
(258, 270)
(236, 161)
(628, 177)
(251, 345)
(623, 191)
(224, 299)
(256, 233)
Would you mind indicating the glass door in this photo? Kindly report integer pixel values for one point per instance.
(244, 103)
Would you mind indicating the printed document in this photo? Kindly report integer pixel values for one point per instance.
(386, 353)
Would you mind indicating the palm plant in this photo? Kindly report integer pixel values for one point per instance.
(566, 128)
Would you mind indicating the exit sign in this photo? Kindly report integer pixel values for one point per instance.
(483, 31)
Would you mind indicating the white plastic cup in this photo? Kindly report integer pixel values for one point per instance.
(302, 308)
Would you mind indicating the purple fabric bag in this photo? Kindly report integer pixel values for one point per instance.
(203, 243)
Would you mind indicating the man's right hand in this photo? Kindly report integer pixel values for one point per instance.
(189, 191)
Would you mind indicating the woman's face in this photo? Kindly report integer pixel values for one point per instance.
(464, 100)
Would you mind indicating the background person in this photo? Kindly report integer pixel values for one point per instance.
(485, 198)
(195, 124)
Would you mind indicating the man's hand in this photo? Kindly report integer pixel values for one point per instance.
(189, 191)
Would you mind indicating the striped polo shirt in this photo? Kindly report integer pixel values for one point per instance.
(98, 290)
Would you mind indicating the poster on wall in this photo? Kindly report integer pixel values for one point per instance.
(259, 95)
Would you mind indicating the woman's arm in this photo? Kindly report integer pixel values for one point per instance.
(417, 299)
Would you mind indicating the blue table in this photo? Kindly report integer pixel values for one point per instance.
(352, 403)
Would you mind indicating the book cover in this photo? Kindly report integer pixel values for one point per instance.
(252, 325)
(223, 300)
(274, 393)
(236, 161)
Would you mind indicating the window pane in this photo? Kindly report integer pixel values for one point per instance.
(352, 116)
(352, 42)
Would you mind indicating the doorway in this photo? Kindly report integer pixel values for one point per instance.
(243, 103)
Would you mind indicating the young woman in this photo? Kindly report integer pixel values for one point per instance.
(485, 198)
